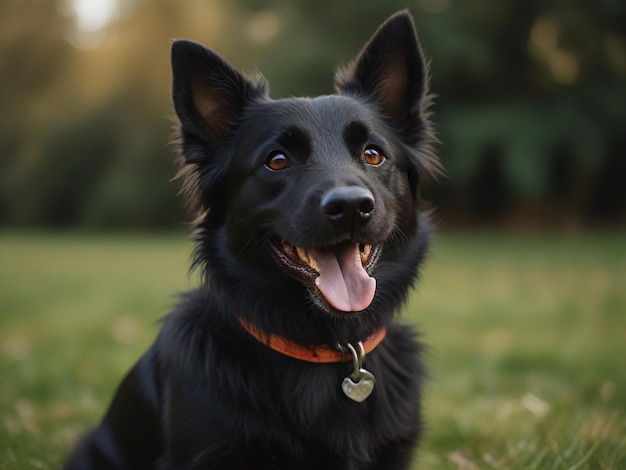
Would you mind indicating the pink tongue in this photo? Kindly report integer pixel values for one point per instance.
(342, 281)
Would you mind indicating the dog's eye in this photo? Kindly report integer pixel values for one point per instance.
(277, 161)
(372, 156)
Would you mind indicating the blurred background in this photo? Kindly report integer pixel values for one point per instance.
(527, 332)
(531, 106)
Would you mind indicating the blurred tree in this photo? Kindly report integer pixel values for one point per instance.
(530, 100)
(540, 80)
(34, 58)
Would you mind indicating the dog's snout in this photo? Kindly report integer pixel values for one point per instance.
(348, 206)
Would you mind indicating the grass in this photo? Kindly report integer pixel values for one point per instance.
(526, 336)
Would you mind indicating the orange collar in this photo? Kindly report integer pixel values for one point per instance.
(319, 354)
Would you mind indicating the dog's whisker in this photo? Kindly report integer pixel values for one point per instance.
(244, 248)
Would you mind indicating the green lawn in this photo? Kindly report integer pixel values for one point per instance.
(526, 336)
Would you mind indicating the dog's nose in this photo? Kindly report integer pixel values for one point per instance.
(348, 206)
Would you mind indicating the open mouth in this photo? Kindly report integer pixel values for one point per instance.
(339, 272)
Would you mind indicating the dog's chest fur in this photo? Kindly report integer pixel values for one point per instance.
(290, 410)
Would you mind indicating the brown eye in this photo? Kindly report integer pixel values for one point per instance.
(372, 156)
(277, 161)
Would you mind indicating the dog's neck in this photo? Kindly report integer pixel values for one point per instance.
(317, 354)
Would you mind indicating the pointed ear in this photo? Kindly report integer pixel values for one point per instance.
(391, 71)
(209, 95)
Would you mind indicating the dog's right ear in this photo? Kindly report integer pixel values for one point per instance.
(209, 96)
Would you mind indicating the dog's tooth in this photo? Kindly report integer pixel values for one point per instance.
(302, 254)
(365, 252)
(313, 264)
(287, 248)
(309, 260)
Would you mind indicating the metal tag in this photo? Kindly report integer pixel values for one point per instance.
(360, 384)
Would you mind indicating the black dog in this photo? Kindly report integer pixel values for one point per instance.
(309, 237)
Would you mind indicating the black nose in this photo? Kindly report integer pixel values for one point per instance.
(348, 206)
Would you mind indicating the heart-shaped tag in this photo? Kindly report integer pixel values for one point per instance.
(359, 385)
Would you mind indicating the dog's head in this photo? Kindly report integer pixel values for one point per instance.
(317, 195)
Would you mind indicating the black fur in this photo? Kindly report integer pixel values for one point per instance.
(207, 394)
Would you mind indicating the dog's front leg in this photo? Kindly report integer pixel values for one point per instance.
(129, 437)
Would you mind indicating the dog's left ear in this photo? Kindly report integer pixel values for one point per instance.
(391, 71)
